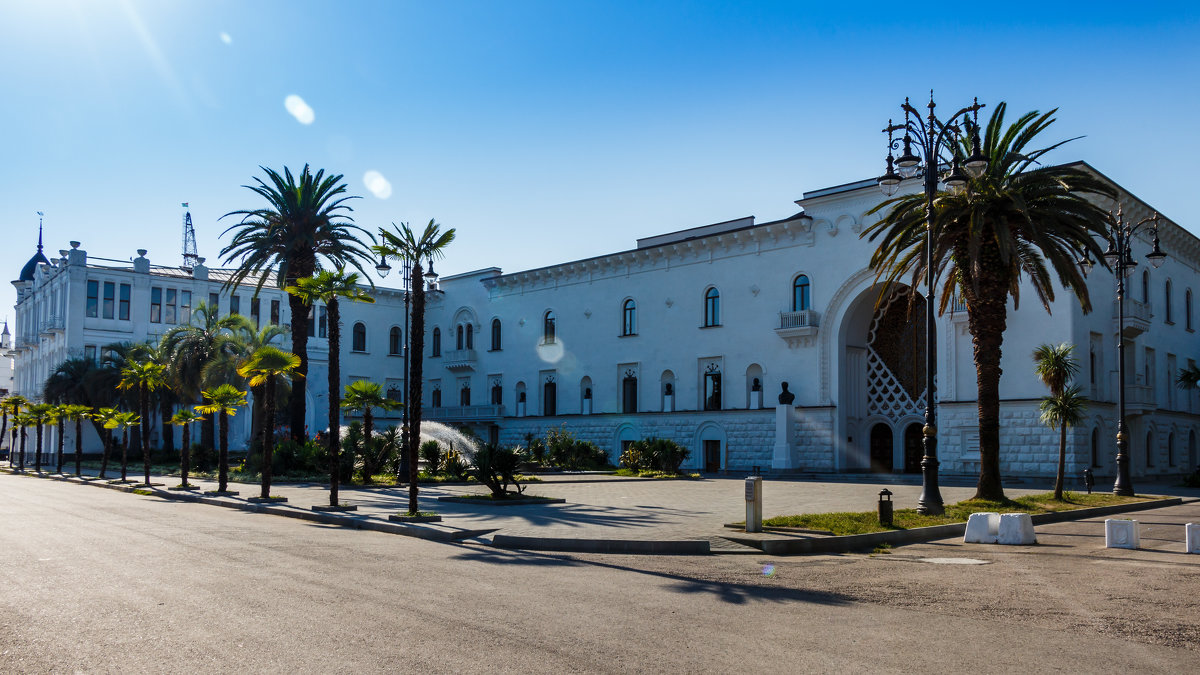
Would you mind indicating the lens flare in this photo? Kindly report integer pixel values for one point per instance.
(377, 184)
(225, 38)
(768, 570)
(299, 109)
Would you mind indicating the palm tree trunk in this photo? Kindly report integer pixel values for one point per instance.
(987, 321)
(125, 455)
(78, 445)
(164, 423)
(334, 441)
(37, 456)
(61, 442)
(368, 451)
(106, 439)
(4, 430)
(1062, 461)
(296, 412)
(208, 433)
(416, 374)
(144, 396)
(223, 457)
(185, 457)
(268, 438)
(24, 438)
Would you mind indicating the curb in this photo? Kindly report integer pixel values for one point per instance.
(640, 546)
(854, 542)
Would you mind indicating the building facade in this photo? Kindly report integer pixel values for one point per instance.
(692, 335)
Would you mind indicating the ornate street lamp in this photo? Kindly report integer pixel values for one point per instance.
(930, 146)
(1120, 258)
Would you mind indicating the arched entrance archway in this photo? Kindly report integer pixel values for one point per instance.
(914, 447)
(881, 448)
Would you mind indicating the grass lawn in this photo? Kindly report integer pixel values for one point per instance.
(864, 522)
(658, 475)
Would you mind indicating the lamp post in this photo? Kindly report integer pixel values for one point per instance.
(1120, 258)
(406, 280)
(927, 144)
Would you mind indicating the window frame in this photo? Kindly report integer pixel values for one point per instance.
(395, 341)
(549, 327)
(801, 291)
(156, 304)
(92, 308)
(497, 336)
(124, 300)
(712, 307)
(629, 318)
(358, 337)
(108, 305)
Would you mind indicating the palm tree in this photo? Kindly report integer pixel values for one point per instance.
(104, 417)
(56, 414)
(76, 413)
(4, 422)
(145, 377)
(123, 421)
(304, 222)
(1017, 219)
(365, 395)
(264, 367)
(329, 288)
(1189, 377)
(223, 400)
(39, 414)
(13, 404)
(404, 244)
(184, 417)
(1056, 366)
(22, 420)
(192, 348)
(231, 351)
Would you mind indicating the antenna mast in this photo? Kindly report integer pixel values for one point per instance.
(190, 258)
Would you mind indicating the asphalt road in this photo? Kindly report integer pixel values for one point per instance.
(99, 581)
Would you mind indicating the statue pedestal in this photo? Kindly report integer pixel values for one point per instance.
(785, 437)
(587, 406)
(756, 400)
(668, 403)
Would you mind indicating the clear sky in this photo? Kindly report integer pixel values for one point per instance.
(544, 131)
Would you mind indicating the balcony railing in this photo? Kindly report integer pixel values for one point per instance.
(1137, 316)
(459, 359)
(23, 343)
(465, 412)
(54, 324)
(1140, 397)
(805, 318)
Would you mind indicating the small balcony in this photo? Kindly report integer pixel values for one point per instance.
(798, 329)
(1137, 317)
(457, 360)
(55, 324)
(1139, 399)
(464, 413)
(25, 343)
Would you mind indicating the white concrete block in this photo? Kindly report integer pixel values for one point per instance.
(1016, 529)
(1193, 537)
(982, 528)
(1119, 533)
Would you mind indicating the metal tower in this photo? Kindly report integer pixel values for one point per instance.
(190, 258)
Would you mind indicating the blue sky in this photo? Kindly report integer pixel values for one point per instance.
(544, 131)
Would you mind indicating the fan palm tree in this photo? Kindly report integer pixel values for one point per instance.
(22, 420)
(103, 417)
(1189, 377)
(365, 395)
(184, 418)
(405, 244)
(76, 413)
(305, 222)
(145, 377)
(329, 287)
(4, 422)
(264, 367)
(56, 414)
(1056, 366)
(124, 421)
(39, 415)
(223, 401)
(13, 405)
(1017, 220)
(231, 351)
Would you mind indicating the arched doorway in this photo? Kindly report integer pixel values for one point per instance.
(881, 448)
(914, 447)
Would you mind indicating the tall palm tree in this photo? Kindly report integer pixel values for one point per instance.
(329, 287)
(1188, 378)
(223, 401)
(1018, 219)
(184, 418)
(365, 395)
(232, 350)
(124, 421)
(39, 414)
(4, 422)
(191, 348)
(304, 223)
(104, 417)
(57, 412)
(264, 367)
(1056, 366)
(145, 377)
(13, 405)
(76, 413)
(405, 244)
(22, 420)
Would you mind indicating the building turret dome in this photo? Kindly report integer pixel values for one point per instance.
(38, 258)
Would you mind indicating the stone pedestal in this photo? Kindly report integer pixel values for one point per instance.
(1193, 537)
(756, 400)
(521, 409)
(587, 406)
(1121, 534)
(1016, 529)
(785, 437)
(668, 403)
(982, 528)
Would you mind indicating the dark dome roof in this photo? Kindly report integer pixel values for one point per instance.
(31, 266)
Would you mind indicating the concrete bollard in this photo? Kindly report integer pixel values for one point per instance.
(982, 528)
(1016, 529)
(1120, 533)
(1193, 537)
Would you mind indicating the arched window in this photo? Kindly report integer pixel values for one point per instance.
(801, 300)
(458, 337)
(435, 344)
(629, 318)
(358, 341)
(464, 394)
(1167, 299)
(496, 334)
(1187, 309)
(712, 307)
(395, 339)
(497, 392)
(470, 336)
(548, 328)
(435, 398)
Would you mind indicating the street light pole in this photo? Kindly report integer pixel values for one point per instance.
(1120, 258)
(933, 139)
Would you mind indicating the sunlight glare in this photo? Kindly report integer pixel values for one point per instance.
(225, 38)
(377, 184)
(299, 109)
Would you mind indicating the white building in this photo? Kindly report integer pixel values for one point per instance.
(690, 336)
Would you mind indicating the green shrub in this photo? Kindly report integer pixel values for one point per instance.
(454, 465)
(566, 452)
(431, 453)
(654, 455)
(496, 467)
(537, 450)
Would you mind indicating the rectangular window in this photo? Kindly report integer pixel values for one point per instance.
(89, 352)
(235, 304)
(171, 302)
(214, 305)
(312, 321)
(110, 300)
(712, 391)
(123, 303)
(185, 306)
(322, 322)
(274, 312)
(255, 313)
(156, 305)
(93, 298)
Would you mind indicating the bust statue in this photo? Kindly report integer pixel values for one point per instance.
(757, 385)
(786, 397)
